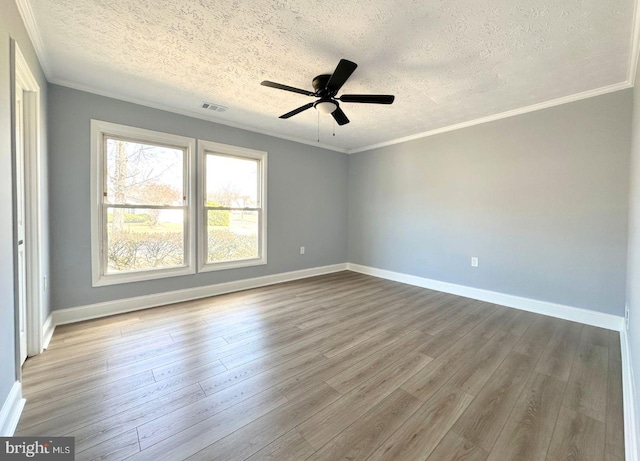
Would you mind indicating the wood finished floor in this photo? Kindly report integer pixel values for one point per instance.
(341, 366)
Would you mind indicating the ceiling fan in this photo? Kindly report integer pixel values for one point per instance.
(326, 87)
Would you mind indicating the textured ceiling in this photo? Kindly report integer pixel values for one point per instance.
(446, 61)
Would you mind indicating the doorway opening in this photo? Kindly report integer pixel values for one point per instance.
(27, 211)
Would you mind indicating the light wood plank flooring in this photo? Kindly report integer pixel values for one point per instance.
(341, 366)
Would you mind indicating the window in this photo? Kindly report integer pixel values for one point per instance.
(233, 199)
(143, 220)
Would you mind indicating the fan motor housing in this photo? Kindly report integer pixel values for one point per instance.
(320, 83)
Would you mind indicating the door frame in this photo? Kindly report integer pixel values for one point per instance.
(33, 200)
(19, 215)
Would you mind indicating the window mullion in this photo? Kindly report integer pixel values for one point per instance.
(145, 207)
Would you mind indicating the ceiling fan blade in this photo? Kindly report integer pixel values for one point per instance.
(368, 98)
(341, 74)
(280, 86)
(340, 117)
(297, 111)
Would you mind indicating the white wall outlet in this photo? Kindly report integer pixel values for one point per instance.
(301, 250)
(474, 261)
(626, 316)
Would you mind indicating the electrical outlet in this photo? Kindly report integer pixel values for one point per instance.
(301, 250)
(626, 316)
(474, 261)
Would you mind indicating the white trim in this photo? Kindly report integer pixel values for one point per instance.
(98, 129)
(635, 44)
(192, 114)
(24, 7)
(575, 314)
(478, 121)
(78, 314)
(507, 114)
(48, 328)
(33, 200)
(32, 29)
(261, 157)
(629, 399)
(93, 311)
(23, 72)
(11, 410)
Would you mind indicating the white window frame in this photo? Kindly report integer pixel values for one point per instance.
(238, 152)
(98, 208)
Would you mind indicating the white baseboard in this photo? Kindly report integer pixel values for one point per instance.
(11, 410)
(575, 314)
(47, 331)
(629, 399)
(93, 311)
(598, 319)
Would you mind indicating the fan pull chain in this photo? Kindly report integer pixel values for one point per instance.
(334, 127)
(318, 126)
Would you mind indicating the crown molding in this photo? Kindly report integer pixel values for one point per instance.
(24, 7)
(507, 114)
(187, 113)
(26, 12)
(457, 126)
(635, 45)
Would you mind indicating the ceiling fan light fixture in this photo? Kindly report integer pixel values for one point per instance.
(326, 88)
(326, 107)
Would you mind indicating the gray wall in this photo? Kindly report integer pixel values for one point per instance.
(11, 27)
(633, 268)
(540, 198)
(307, 187)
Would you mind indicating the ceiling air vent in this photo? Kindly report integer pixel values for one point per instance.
(214, 107)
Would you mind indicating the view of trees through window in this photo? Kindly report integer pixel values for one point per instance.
(145, 206)
(231, 203)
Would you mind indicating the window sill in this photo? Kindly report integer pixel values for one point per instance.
(210, 267)
(131, 277)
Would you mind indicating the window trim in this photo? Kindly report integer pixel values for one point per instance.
(98, 209)
(232, 151)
